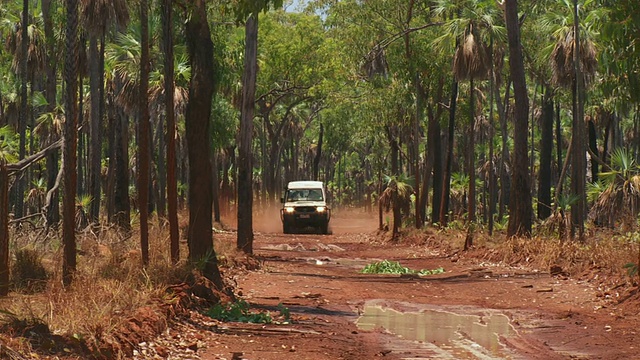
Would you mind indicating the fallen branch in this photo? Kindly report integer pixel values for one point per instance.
(26, 162)
(13, 221)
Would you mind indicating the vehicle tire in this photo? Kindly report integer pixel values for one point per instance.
(324, 228)
(286, 228)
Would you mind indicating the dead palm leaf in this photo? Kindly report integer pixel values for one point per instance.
(97, 15)
(471, 60)
(562, 58)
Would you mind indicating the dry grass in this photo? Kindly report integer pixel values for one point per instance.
(603, 255)
(109, 285)
(603, 252)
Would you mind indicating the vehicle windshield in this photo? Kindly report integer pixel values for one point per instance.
(304, 195)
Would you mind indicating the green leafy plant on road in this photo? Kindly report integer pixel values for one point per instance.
(239, 311)
(394, 267)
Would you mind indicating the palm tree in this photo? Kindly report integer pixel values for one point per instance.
(573, 63)
(397, 197)
(618, 198)
(470, 62)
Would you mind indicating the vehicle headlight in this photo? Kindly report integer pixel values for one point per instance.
(320, 209)
(289, 209)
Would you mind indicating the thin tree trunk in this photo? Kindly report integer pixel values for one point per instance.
(471, 170)
(69, 149)
(143, 133)
(559, 138)
(214, 188)
(4, 230)
(162, 170)
(492, 177)
(593, 145)
(318, 155)
(395, 171)
(113, 118)
(436, 135)
(416, 150)
(95, 131)
(172, 185)
(82, 156)
(578, 163)
(446, 183)
(546, 147)
(245, 169)
(121, 205)
(505, 185)
(22, 122)
(471, 161)
(53, 210)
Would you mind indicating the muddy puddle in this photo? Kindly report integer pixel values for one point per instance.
(443, 333)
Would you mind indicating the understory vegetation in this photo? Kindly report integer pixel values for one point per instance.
(111, 286)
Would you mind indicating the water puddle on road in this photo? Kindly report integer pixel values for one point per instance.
(443, 334)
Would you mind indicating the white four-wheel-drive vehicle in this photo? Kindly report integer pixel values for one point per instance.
(305, 205)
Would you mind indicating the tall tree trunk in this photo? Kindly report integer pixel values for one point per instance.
(113, 118)
(121, 205)
(492, 177)
(82, 156)
(4, 229)
(471, 161)
(578, 163)
(434, 154)
(416, 149)
(436, 135)
(198, 120)
(143, 133)
(558, 132)
(446, 179)
(318, 155)
(95, 130)
(546, 147)
(245, 165)
(417, 119)
(505, 184)
(172, 185)
(160, 192)
(53, 210)
(471, 170)
(69, 148)
(520, 205)
(214, 182)
(593, 146)
(395, 172)
(22, 122)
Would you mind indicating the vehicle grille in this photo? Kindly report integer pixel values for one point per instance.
(305, 209)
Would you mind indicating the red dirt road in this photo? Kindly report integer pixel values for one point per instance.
(473, 310)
